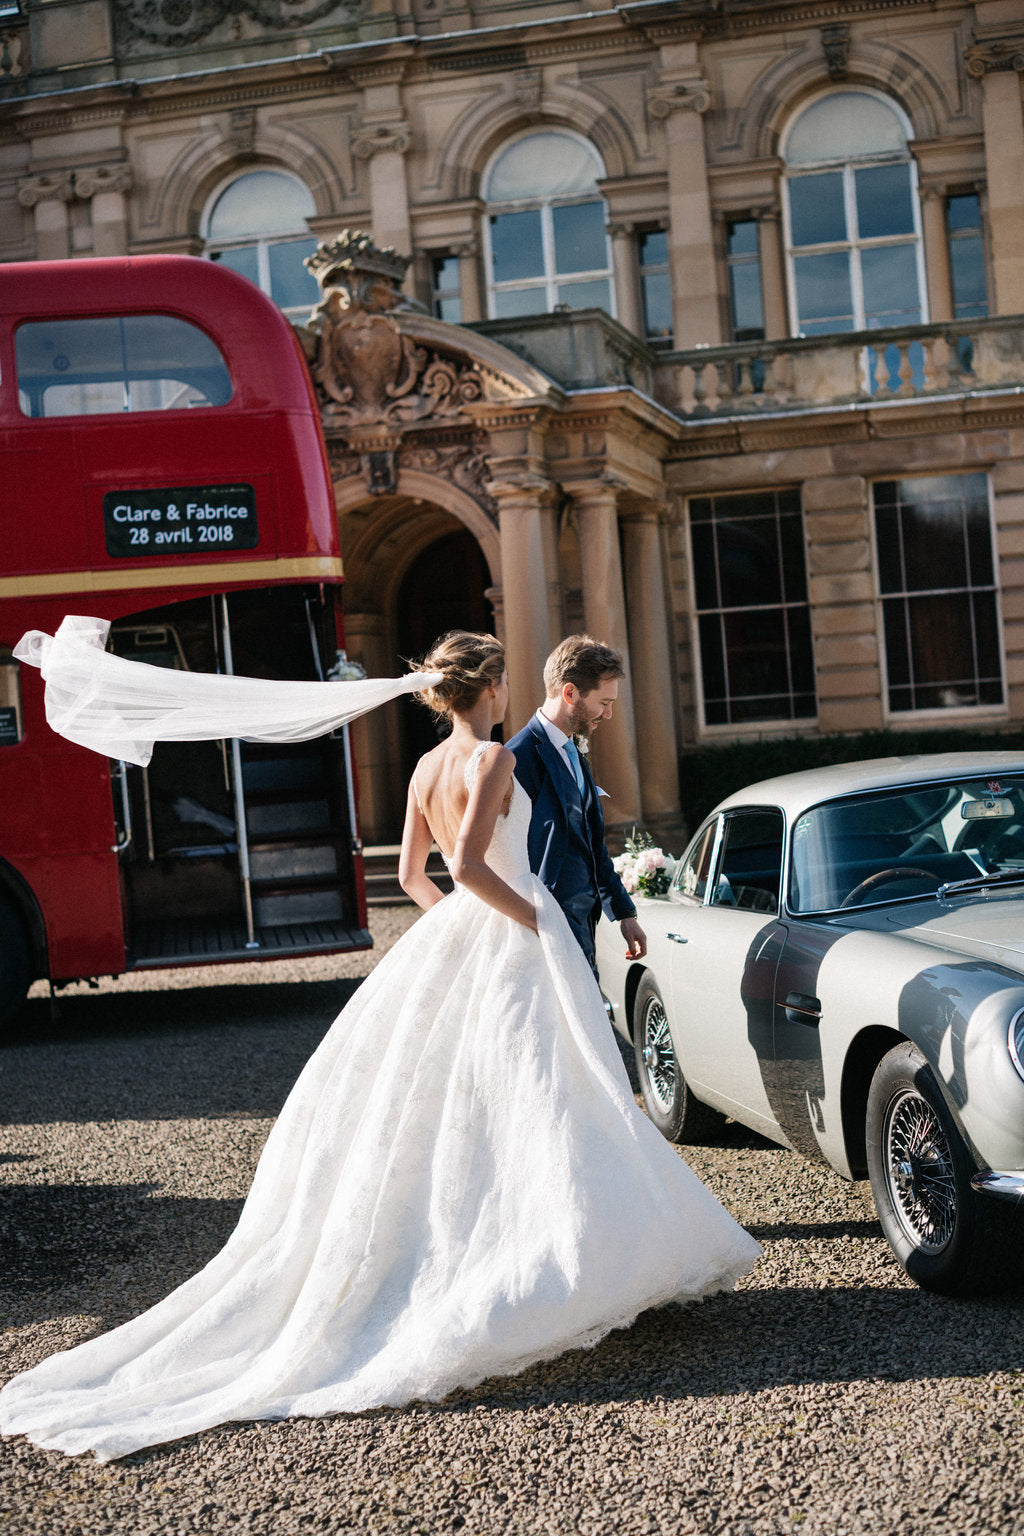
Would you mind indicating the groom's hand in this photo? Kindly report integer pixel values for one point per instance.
(636, 939)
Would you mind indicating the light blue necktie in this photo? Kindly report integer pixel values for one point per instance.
(574, 758)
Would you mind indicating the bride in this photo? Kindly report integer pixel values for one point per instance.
(459, 1184)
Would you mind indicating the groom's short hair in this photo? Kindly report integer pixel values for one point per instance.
(582, 661)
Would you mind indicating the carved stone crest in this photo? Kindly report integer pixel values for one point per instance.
(366, 369)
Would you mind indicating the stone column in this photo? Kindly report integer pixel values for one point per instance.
(997, 64)
(604, 613)
(650, 647)
(936, 255)
(382, 139)
(373, 746)
(105, 187)
(470, 290)
(49, 197)
(526, 508)
(629, 310)
(773, 276)
(680, 100)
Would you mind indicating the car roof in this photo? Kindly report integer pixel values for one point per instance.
(794, 792)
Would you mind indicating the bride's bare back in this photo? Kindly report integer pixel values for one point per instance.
(439, 783)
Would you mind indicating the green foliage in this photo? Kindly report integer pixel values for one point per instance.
(708, 774)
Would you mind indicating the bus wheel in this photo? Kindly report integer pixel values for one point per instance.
(15, 969)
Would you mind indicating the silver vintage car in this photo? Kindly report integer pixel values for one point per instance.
(839, 965)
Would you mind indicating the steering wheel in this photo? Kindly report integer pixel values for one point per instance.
(908, 872)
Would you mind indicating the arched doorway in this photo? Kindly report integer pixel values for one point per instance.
(443, 588)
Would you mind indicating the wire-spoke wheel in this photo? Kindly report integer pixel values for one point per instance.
(948, 1237)
(670, 1104)
(922, 1183)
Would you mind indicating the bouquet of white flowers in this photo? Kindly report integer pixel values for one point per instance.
(644, 868)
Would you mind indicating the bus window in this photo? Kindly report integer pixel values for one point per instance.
(10, 699)
(117, 363)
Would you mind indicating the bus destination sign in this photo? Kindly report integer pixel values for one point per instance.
(195, 520)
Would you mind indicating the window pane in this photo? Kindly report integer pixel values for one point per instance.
(941, 629)
(884, 201)
(657, 293)
(745, 296)
(964, 212)
(653, 248)
(889, 275)
(541, 166)
(291, 283)
(970, 294)
(823, 292)
(742, 238)
(242, 259)
(845, 124)
(756, 652)
(517, 246)
(816, 209)
(581, 244)
(509, 302)
(595, 295)
(135, 362)
(261, 203)
(748, 562)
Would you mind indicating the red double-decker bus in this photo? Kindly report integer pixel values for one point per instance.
(162, 466)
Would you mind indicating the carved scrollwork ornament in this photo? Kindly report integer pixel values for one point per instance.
(380, 138)
(102, 178)
(58, 188)
(189, 21)
(994, 55)
(692, 95)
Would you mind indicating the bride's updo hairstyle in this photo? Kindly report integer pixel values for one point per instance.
(470, 664)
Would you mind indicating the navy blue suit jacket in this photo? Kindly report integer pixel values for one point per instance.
(541, 771)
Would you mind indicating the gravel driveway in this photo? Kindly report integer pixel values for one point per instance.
(827, 1395)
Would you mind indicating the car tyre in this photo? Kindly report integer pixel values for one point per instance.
(15, 963)
(949, 1238)
(667, 1095)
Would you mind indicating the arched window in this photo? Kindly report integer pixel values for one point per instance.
(546, 240)
(852, 217)
(256, 225)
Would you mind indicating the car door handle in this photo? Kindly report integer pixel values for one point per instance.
(802, 1009)
(677, 938)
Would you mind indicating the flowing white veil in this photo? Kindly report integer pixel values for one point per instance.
(120, 708)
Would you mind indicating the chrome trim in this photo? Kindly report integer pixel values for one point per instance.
(1003, 1186)
(1015, 1055)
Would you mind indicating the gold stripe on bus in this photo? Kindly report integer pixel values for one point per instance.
(249, 572)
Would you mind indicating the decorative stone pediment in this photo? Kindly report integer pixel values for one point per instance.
(177, 22)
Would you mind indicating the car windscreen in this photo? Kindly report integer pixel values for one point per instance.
(898, 844)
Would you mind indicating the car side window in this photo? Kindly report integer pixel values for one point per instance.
(692, 876)
(750, 867)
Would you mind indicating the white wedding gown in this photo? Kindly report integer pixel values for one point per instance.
(459, 1184)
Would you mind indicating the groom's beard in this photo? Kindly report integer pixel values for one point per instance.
(581, 723)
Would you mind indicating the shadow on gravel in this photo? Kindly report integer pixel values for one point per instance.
(61, 1238)
(205, 1051)
(756, 1340)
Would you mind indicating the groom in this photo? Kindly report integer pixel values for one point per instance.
(566, 840)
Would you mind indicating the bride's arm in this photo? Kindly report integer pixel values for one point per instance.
(469, 863)
(417, 841)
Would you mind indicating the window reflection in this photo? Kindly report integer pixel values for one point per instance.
(655, 285)
(554, 251)
(753, 619)
(936, 577)
(257, 226)
(854, 240)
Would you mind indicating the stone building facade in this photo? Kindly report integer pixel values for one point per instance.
(709, 336)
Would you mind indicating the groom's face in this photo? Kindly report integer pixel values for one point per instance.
(587, 709)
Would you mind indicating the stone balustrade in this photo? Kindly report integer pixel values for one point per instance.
(860, 367)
